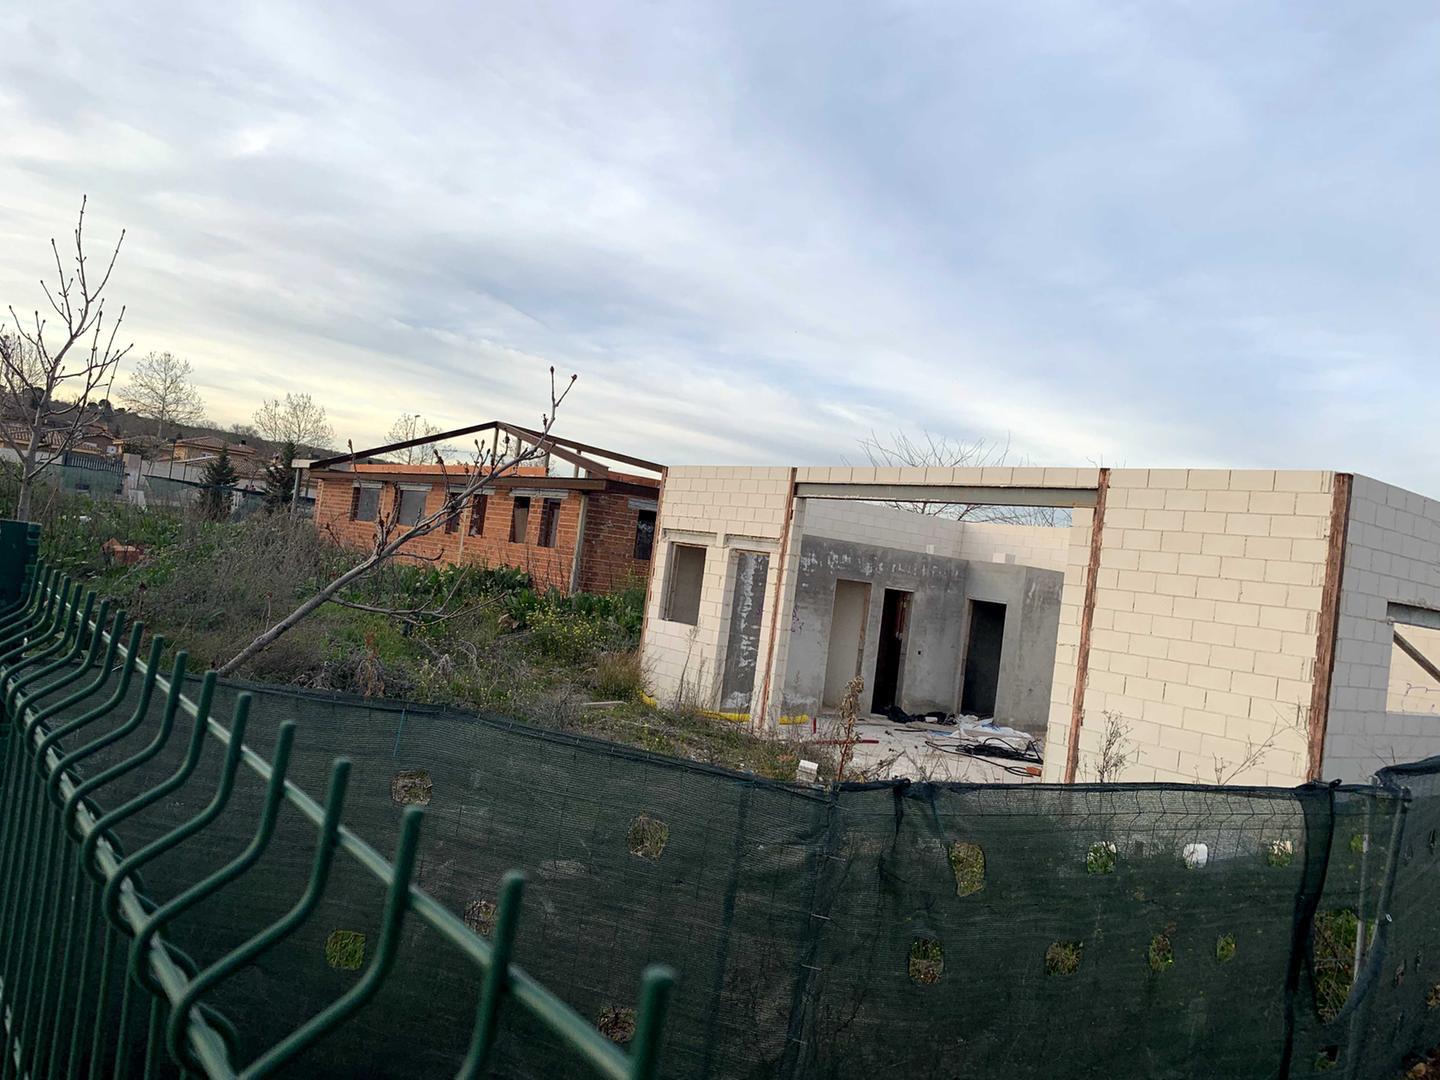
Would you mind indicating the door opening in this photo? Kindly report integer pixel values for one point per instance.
(982, 658)
(847, 638)
(890, 649)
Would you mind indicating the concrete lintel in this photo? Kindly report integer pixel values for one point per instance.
(950, 493)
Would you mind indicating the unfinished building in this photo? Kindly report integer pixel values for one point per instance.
(572, 520)
(1249, 626)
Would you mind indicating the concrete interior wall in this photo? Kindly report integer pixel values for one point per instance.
(915, 554)
(1032, 624)
(932, 640)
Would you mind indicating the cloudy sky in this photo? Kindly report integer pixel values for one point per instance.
(1139, 233)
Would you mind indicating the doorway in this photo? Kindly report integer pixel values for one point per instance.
(847, 638)
(982, 658)
(890, 649)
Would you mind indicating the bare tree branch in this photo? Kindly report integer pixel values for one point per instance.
(902, 450)
(35, 365)
(392, 537)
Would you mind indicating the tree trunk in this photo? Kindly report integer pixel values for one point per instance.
(27, 482)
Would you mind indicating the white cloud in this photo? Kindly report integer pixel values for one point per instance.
(1194, 235)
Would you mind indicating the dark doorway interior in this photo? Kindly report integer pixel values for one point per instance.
(982, 658)
(890, 649)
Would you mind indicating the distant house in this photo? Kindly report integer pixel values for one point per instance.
(592, 531)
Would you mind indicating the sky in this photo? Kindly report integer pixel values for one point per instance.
(1136, 234)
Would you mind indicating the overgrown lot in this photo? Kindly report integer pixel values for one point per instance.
(472, 638)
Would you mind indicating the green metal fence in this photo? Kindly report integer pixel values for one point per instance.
(91, 983)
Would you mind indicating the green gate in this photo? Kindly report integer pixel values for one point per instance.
(91, 982)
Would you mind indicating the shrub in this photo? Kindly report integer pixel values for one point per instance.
(618, 675)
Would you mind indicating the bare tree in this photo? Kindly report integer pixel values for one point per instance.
(40, 360)
(902, 450)
(297, 419)
(408, 427)
(391, 537)
(162, 387)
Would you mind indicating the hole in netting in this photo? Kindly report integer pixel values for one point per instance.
(345, 950)
(1358, 843)
(1063, 958)
(1432, 997)
(1280, 852)
(1161, 953)
(1225, 948)
(616, 1023)
(411, 787)
(1327, 1058)
(1400, 973)
(1433, 839)
(1195, 855)
(1100, 858)
(647, 837)
(967, 862)
(1337, 941)
(927, 961)
(480, 916)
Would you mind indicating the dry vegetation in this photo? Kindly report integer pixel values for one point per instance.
(474, 639)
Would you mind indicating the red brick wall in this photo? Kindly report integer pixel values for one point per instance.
(608, 563)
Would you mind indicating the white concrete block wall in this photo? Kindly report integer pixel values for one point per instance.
(723, 509)
(872, 523)
(1043, 546)
(1205, 624)
(1392, 555)
(884, 526)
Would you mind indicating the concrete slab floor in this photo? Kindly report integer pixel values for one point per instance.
(905, 752)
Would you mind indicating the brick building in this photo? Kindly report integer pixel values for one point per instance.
(592, 531)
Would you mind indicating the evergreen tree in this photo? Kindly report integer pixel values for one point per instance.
(220, 477)
(280, 479)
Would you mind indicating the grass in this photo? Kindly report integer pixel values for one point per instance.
(616, 1023)
(1225, 948)
(647, 837)
(1161, 954)
(504, 648)
(1333, 958)
(1063, 958)
(967, 862)
(927, 961)
(345, 950)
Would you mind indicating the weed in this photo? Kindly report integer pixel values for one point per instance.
(1100, 859)
(1161, 953)
(616, 1023)
(1336, 933)
(618, 675)
(1063, 958)
(647, 837)
(345, 950)
(967, 862)
(927, 961)
(1225, 948)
